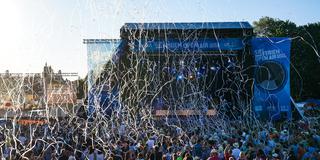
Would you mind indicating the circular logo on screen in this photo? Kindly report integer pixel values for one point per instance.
(270, 76)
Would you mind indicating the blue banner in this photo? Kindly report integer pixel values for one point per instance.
(189, 45)
(272, 77)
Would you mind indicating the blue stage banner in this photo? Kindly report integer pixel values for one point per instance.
(272, 77)
(190, 45)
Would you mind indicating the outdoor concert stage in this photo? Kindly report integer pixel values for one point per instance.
(196, 68)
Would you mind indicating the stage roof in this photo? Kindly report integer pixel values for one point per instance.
(187, 26)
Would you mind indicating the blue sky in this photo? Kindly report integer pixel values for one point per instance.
(37, 31)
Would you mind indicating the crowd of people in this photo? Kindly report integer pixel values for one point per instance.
(74, 139)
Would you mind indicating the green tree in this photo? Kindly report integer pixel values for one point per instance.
(271, 27)
(307, 59)
(304, 73)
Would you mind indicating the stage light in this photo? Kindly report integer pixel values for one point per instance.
(173, 71)
(180, 77)
(199, 74)
(181, 62)
(231, 65)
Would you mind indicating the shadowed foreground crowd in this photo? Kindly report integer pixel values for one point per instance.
(72, 140)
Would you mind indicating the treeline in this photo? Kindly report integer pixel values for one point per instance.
(305, 58)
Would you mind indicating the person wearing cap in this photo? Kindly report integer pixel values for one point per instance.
(220, 152)
(242, 156)
(236, 151)
(275, 156)
(213, 155)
